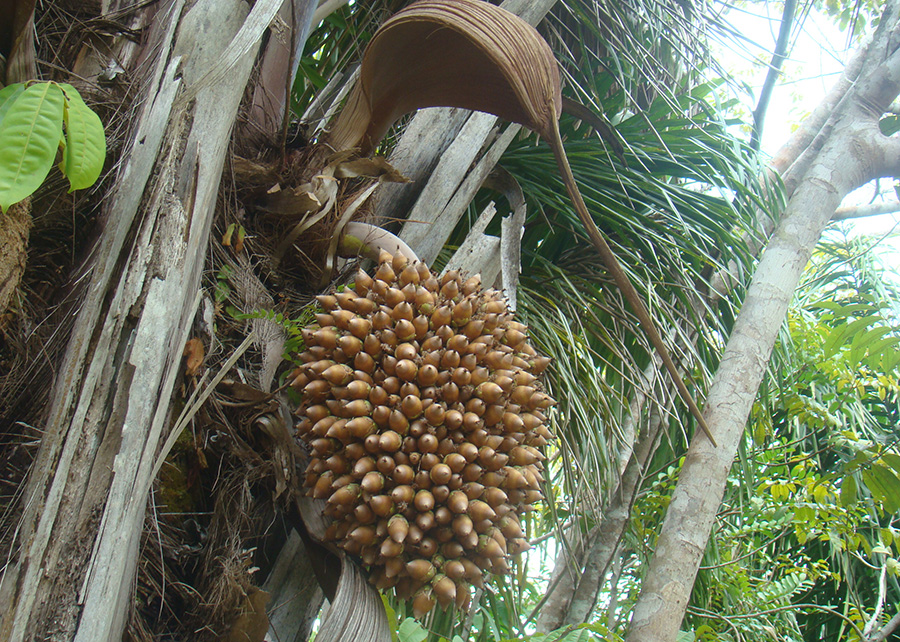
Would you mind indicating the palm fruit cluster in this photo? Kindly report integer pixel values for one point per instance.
(424, 417)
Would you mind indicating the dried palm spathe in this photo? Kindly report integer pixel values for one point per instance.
(451, 53)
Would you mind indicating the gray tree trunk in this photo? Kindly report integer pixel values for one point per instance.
(847, 151)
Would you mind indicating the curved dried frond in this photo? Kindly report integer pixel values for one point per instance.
(451, 53)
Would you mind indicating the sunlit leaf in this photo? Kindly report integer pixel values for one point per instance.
(30, 131)
(85, 141)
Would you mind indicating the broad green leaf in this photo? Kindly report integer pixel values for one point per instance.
(85, 141)
(841, 333)
(864, 342)
(848, 491)
(893, 461)
(8, 96)
(881, 348)
(411, 631)
(30, 131)
(889, 361)
(885, 486)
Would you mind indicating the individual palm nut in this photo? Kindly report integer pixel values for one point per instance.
(435, 414)
(385, 273)
(407, 369)
(424, 501)
(411, 406)
(405, 330)
(403, 474)
(440, 474)
(381, 505)
(398, 528)
(422, 603)
(458, 502)
(398, 422)
(402, 494)
(428, 443)
(389, 441)
(420, 570)
(372, 482)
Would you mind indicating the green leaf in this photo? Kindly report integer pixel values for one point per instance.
(30, 131)
(8, 96)
(893, 461)
(85, 141)
(848, 491)
(865, 342)
(840, 334)
(884, 486)
(391, 617)
(411, 631)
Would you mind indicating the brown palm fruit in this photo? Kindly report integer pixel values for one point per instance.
(424, 418)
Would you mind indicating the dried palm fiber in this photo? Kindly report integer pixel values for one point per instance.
(424, 417)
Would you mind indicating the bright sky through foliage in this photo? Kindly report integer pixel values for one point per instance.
(815, 59)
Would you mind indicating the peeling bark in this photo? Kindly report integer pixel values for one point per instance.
(15, 227)
(75, 556)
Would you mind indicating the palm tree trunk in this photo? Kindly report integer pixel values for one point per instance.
(77, 546)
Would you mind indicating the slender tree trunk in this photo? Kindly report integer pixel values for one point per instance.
(848, 151)
(573, 595)
(615, 521)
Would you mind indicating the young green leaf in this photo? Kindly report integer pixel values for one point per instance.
(30, 131)
(85, 141)
(848, 491)
(411, 631)
(8, 96)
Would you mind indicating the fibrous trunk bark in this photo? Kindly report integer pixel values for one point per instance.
(848, 151)
(74, 563)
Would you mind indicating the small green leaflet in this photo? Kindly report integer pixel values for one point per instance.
(85, 141)
(30, 133)
(411, 631)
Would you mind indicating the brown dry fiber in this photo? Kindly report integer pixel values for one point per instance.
(475, 55)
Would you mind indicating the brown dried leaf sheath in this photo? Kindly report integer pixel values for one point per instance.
(451, 53)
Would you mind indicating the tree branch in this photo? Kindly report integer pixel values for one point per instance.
(847, 212)
(812, 125)
(778, 56)
(886, 630)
